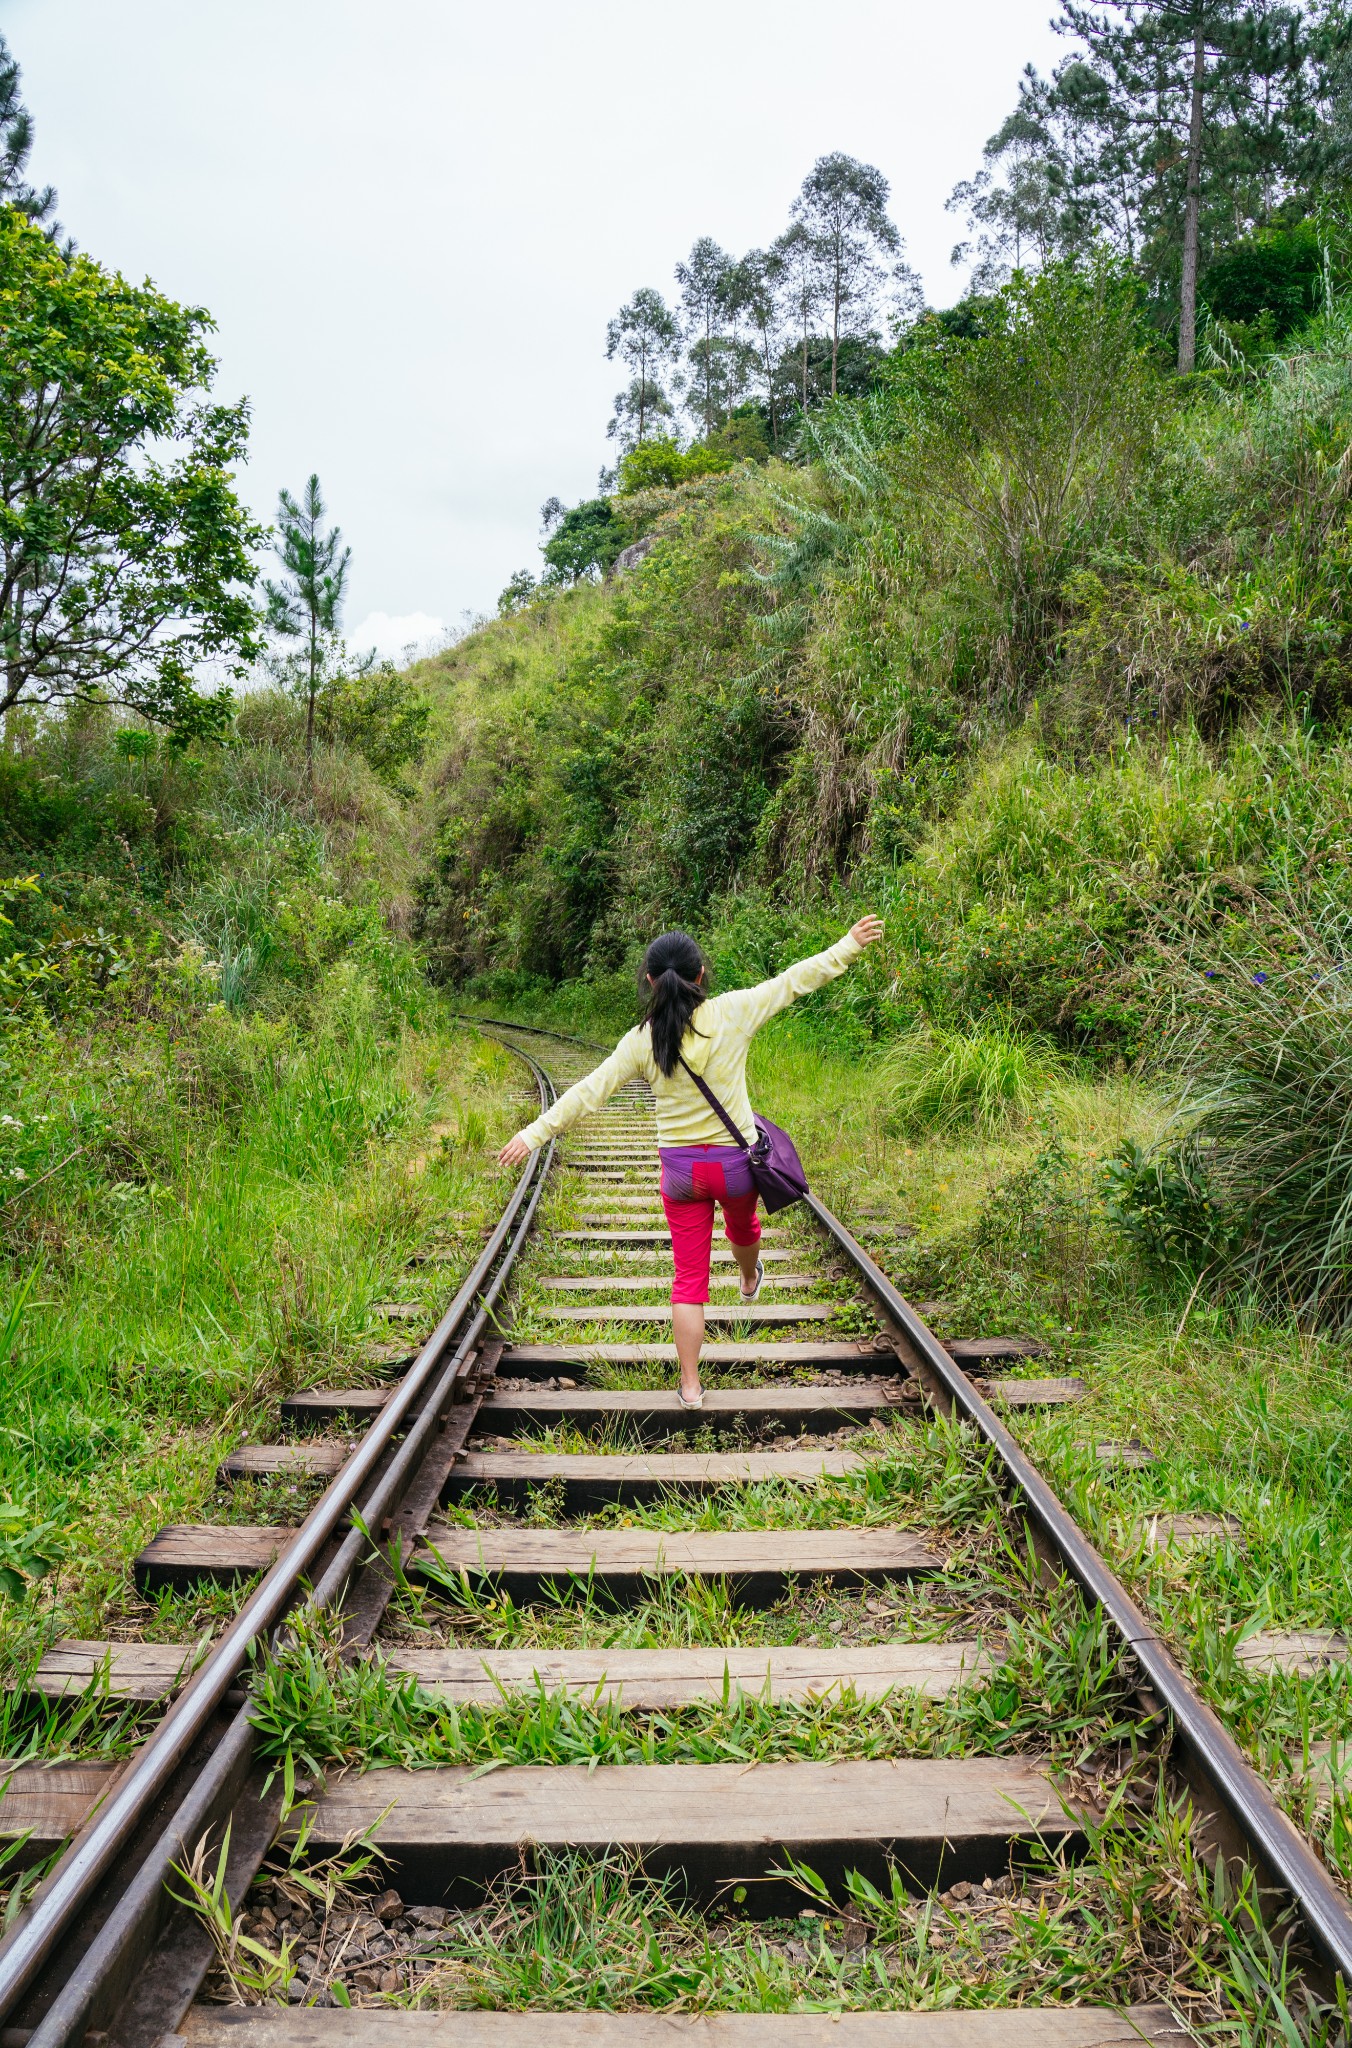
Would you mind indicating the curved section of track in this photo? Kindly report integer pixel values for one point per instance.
(587, 1357)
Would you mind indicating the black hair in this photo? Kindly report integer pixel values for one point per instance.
(673, 965)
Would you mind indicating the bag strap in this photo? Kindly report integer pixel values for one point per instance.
(707, 1092)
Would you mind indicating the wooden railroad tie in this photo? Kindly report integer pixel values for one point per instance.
(625, 1564)
(591, 1479)
(453, 1829)
(656, 1681)
(777, 1409)
(1050, 2026)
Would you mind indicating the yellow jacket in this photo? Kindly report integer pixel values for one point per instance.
(715, 1045)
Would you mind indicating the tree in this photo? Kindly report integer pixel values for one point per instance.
(584, 543)
(1034, 199)
(794, 258)
(377, 712)
(306, 604)
(706, 280)
(643, 335)
(1178, 127)
(518, 591)
(660, 465)
(125, 556)
(16, 144)
(754, 294)
(842, 209)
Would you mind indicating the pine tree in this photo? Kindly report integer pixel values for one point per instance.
(306, 604)
(1177, 127)
(16, 145)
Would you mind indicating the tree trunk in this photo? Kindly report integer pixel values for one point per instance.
(1192, 211)
(835, 325)
(770, 388)
(310, 708)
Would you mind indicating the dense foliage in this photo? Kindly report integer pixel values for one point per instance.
(817, 676)
(125, 557)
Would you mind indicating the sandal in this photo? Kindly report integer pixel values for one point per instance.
(760, 1281)
(690, 1400)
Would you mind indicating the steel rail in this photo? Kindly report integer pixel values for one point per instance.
(71, 1885)
(1240, 1790)
(72, 2008)
(535, 1030)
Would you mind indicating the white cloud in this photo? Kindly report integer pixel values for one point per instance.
(401, 637)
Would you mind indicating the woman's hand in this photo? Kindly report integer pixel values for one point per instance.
(515, 1152)
(867, 930)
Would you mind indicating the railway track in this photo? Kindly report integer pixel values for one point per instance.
(533, 1457)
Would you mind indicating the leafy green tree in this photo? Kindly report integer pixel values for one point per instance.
(644, 335)
(518, 591)
(1273, 276)
(755, 295)
(744, 435)
(797, 271)
(660, 465)
(16, 145)
(1035, 197)
(125, 556)
(716, 355)
(377, 712)
(584, 543)
(842, 209)
(306, 604)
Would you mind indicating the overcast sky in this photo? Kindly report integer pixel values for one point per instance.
(411, 219)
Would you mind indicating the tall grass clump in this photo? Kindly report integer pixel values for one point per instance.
(983, 1079)
(1254, 1193)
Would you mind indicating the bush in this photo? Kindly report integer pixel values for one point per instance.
(1256, 1194)
(584, 543)
(981, 1080)
(661, 465)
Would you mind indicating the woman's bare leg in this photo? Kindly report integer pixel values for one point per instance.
(746, 1256)
(687, 1327)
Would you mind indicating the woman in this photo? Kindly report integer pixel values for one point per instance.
(688, 1032)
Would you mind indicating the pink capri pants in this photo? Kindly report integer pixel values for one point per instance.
(694, 1177)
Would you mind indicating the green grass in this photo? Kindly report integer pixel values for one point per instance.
(598, 1934)
(1246, 1415)
(146, 1349)
(979, 1080)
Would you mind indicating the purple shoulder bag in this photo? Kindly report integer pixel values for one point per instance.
(776, 1169)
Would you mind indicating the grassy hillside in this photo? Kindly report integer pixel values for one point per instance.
(1039, 646)
(1040, 651)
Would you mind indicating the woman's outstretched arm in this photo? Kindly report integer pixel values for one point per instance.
(753, 1006)
(587, 1094)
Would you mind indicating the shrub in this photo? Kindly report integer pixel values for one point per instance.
(979, 1080)
(657, 465)
(1255, 1195)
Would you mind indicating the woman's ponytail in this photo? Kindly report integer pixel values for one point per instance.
(672, 967)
